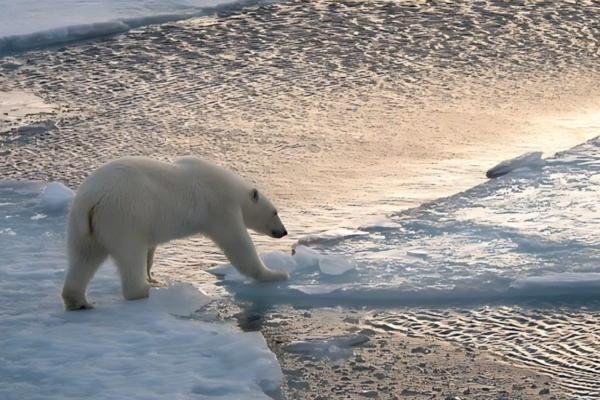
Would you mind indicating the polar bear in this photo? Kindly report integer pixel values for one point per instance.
(127, 207)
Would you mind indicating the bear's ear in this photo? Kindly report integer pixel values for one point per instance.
(254, 195)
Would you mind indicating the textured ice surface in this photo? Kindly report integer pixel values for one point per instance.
(336, 265)
(121, 349)
(528, 233)
(178, 298)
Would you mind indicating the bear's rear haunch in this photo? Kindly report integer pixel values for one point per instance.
(129, 206)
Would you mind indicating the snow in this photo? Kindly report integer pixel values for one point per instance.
(121, 349)
(533, 233)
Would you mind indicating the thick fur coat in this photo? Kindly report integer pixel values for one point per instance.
(127, 207)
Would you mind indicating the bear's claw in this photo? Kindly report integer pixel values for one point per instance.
(155, 283)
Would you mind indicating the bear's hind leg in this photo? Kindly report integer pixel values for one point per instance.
(85, 257)
(149, 262)
(132, 266)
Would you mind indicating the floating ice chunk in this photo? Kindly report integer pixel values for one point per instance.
(379, 225)
(306, 257)
(417, 253)
(227, 272)
(563, 281)
(407, 256)
(333, 234)
(56, 197)
(334, 348)
(277, 260)
(11, 65)
(336, 265)
(528, 160)
(178, 298)
(34, 129)
(317, 289)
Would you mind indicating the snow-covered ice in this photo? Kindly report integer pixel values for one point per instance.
(119, 350)
(30, 23)
(178, 298)
(531, 233)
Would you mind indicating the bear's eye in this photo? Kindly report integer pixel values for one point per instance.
(275, 213)
(254, 195)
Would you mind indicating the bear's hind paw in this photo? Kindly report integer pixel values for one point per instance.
(88, 305)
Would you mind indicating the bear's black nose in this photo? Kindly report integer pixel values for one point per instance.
(279, 234)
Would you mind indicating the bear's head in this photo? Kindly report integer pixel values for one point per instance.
(261, 216)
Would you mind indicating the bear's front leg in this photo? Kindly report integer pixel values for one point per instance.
(235, 241)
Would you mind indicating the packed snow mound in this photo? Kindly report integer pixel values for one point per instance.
(121, 349)
(533, 233)
(57, 197)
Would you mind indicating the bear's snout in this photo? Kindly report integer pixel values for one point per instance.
(278, 233)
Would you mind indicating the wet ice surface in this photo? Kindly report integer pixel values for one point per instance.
(529, 233)
(120, 349)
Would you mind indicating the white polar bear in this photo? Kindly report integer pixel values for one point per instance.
(129, 206)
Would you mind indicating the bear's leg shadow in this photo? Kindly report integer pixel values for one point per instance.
(85, 257)
(131, 262)
(233, 238)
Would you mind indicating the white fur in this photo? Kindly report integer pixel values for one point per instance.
(126, 208)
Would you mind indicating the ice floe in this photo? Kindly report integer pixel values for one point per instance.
(529, 233)
(334, 348)
(531, 160)
(121, 349)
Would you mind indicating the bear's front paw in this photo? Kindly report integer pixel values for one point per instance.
(270, 276)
